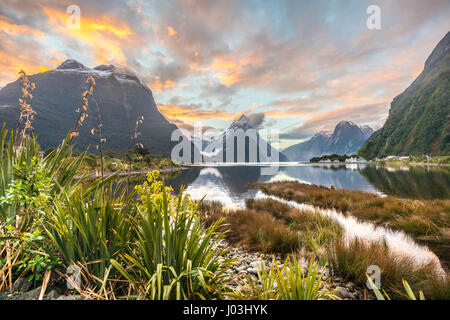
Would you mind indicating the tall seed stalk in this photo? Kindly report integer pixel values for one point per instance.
(136, 134)
(26, 111)
(101, 140)
(82, 112)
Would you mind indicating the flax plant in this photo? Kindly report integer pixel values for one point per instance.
(174, 256)
(30, 183)
(409, 293)
(91, 227)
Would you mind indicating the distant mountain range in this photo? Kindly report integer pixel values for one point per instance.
(346, 138)
(419, 118)
(121, 96)
(219, 150)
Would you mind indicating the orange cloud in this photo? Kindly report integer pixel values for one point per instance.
(187, 112)
(228, 69)
(161, 85)
(103, 34)
(288, 113)
(171, 31)
(15, 29)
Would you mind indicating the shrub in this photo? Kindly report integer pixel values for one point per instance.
(175, 256)
(29, 183)
(91, 227)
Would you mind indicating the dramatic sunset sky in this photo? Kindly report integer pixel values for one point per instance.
(298, 66)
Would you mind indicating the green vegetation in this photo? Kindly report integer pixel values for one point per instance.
(425, 218)
(418, 121)
(333, 157)
(419, 159)
(414, 182)
(174, 255)
(154, 248)
(147, 243)
(408, 291)
(114, 162)
(30, 183)
(90, 227)
(288, 282)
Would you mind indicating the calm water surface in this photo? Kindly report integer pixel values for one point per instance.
(227, 184)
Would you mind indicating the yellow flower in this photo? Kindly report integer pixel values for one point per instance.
(155, 174)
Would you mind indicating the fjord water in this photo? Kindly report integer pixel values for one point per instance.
(227, 184)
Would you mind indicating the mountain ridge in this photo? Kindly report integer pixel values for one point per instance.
(346, 138)
(419, 117)
(217, 149)
(122, 98)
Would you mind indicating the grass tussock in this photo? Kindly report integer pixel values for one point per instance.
(272, 226)
(351, 261)
(286, 282)
(424, 218)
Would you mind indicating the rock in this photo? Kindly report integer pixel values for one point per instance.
(21, 285)
(350, 285)
(255, 264)
(252, 270)
(344, 293)
(30, 295)
(241, 269)
(53, 294)
(71, 297)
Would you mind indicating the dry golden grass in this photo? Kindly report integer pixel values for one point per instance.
(272, 226)
(351, 260)
(418, 218)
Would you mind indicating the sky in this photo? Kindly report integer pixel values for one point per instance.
(298, 67)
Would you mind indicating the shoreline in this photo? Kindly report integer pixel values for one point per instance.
(293, 164)
(94, 175)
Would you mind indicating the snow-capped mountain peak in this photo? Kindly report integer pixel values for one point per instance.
(241, 123)
(122, 74)
(71, 64)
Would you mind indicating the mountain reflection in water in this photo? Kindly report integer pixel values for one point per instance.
(227, 184)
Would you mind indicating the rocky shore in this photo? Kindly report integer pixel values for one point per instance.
(247, 265)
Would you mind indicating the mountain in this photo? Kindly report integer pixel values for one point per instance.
(218, 148)
(367, 130)
(121, 96)
(419, 118)
(346, 138)
(316, 146)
